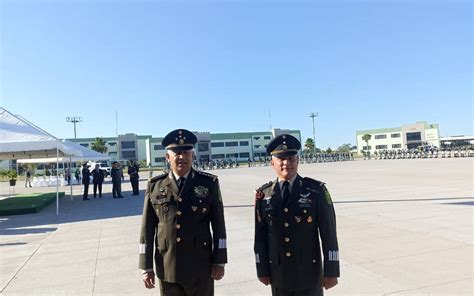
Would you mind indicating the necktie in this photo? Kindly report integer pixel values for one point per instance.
(180, 183)
(286, 192)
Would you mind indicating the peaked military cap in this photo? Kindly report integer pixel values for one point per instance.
(179, 140)
(283, 145)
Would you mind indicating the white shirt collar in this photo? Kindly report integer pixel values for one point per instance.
(176, 177)
(292, 180)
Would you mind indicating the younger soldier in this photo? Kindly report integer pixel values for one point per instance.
(290, 214)
(180, 207)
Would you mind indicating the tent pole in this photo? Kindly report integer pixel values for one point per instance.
(57, 180)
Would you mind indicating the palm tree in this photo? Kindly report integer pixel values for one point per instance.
(99, 145)
(366, 138)
(309, 145)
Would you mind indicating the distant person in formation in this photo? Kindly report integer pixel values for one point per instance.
(291, 213)
(181, 207)
(85, 180)
(28, 177)
(116, 175)
(97, 179)
(134, 177)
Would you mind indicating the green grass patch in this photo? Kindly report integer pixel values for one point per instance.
(27, 203)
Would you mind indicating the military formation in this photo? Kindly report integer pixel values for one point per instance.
(427, 152)
(183, 239)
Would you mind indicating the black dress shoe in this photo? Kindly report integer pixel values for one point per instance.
(85, 198)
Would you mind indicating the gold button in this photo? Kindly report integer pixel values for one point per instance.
(180, 199)
(178, 213)
(285, 210)
(178, 239)
(178, 226)
(287, 239)
(288, 254)
(286, 224)
(305, 211)
(205, 243)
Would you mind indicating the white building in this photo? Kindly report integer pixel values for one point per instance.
(235, 146)
(404, 137)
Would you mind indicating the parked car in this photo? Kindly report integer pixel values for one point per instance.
(103, 166)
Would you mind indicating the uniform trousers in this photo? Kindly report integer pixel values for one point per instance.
(98, 185)
(197, 287)
(315, 291)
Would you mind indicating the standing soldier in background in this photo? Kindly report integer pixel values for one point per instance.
(85, 180)
(97, 179)
(134, 177)
(116, 180)
(28, 177)
(290, 215)
(180, 206)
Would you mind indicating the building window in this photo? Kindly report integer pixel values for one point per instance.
(218, 144)
(380, 146)
(365, 148)
(256, 138)
(232, 155)
(158, 147)
(396, 145)
(128, 154)
(203, 147)
(231, 144)
(127, 144)
(416, 136)
(84, 145)
(256, 146)
(112, 143)
(159, 159)
(397, 135)
(244, 155)
(378, 137)
(244, 143)
(266, 138)
(217, 156)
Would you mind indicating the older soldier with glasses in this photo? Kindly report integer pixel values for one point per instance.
(291, 213)
(180, 207)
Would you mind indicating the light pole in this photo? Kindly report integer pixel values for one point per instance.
(74, 120)
(313, 115)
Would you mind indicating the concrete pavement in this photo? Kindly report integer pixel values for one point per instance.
(405, 227)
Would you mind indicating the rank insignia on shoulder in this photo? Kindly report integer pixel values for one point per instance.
(214, 177)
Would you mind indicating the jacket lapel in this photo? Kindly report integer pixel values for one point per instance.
(188, 184)
(170, 184)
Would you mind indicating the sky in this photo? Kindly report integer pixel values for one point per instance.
(237, 66)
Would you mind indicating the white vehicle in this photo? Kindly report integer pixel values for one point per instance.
(102, 165)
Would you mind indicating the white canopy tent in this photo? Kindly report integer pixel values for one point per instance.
(20, 139)
(83, 155)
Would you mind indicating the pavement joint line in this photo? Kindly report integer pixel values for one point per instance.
(428, 286)
(26, 261)
(236, 283)
(97, 256)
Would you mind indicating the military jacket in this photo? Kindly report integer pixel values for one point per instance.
(175, 231)
(287, 246)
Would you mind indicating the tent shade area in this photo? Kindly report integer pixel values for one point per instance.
(21, 139)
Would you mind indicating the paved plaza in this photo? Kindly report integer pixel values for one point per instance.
(405, 227)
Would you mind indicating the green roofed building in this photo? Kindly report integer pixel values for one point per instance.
(404, 137)
(238, 146)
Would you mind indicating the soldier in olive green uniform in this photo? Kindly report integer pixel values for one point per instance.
(290, 215)
(180, 207)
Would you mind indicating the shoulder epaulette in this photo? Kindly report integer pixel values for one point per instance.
(264, 186)
(259, 194)
(213, 177)
(159, 177)
(314, 182)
